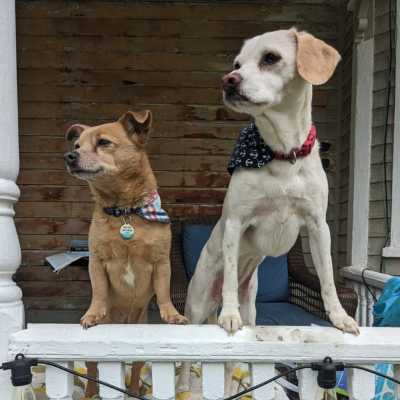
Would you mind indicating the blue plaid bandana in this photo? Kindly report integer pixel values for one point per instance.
(152, 211)
(250, 150)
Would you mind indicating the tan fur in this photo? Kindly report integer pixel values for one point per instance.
(316, 60)
(124, 274)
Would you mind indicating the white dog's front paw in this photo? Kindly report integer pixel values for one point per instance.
(344, 322)
(230, 320)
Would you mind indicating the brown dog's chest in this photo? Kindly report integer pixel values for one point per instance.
(130, 264)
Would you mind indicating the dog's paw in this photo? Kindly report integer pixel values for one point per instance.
(230, 320)
(170, 315)
(344, 322)
(92, 318)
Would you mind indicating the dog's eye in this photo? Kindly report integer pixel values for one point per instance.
(103, 142)
(270, 58)
(236, 65)
(76, 147)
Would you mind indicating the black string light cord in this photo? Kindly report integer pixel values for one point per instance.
(21, 374)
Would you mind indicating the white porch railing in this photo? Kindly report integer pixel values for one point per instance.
(261, 347)
(375, 281)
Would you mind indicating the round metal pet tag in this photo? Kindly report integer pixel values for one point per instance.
(127, 231)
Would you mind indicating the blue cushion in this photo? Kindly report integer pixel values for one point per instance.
(286, 314)
(273, 282)
(194, 237)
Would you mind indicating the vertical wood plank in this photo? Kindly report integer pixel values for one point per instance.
(261, 372)
(308, 386)
(114, 373)
(163, 374)
(213, 380)
(59, 384)
(361, 384)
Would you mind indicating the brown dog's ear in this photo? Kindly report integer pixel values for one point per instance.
(316, 60)
(74, 131)
(137, 122)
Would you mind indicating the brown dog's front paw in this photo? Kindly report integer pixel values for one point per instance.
(92, 318)
(170, 315)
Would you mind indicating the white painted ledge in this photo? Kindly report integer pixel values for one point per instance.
(373, 278)
(207, 342)
(391, 252)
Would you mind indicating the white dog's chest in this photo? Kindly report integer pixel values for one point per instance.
(272, 208)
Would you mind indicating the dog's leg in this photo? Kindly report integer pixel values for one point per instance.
(92, 388)
(162, 278)
(98, 309)
(200, 305)
(135, 377)
(247, 299)
(230, 318)
(320, 244)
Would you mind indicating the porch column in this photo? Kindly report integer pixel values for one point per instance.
(11, 308)
(361, 132)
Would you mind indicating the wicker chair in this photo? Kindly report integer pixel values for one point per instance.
(304, 287)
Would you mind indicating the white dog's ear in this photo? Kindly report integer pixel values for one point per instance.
(74, 131)
(137, 122)
(316, 60)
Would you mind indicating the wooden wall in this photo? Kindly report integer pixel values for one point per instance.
(343, 155)
(89, 61)
(378, 227)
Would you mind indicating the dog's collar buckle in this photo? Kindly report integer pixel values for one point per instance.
(292, 156)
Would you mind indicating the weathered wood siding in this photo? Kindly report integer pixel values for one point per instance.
(89, 61)
(340, 244)
(377, 223)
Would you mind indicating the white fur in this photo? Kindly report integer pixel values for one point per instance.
(129, 276)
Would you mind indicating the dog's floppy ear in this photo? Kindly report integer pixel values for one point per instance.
(74, 131)
(138, 123)
(316, 60)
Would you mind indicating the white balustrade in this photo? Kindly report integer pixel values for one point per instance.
(260, 347)
(11, 308)
(213, 380)
(375, 281)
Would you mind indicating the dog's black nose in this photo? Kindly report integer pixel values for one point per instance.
(71, 157)
(231, 81)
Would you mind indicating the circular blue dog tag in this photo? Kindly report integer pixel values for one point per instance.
(127, 231)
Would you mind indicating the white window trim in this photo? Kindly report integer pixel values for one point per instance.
(393, 250)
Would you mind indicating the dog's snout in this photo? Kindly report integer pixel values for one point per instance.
(71, 157)
(231, 81)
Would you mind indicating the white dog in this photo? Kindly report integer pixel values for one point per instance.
(276, 188)
(265, 207)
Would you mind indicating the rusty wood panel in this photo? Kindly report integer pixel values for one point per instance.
(51, 161)
(161, 129)
(78, 303)
(49, 242)
(109, 111)
(36, 193)
(56, 289)
(52, 226)
(39, 209)
(273, 11)
(46, 274)
(194, 28)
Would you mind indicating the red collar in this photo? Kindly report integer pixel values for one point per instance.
(299, 152)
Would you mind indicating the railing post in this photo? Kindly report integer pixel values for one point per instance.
(11, 308)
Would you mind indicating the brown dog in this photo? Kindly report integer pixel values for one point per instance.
(129, 241)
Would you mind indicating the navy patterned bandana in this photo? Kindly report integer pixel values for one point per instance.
(252, 152)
